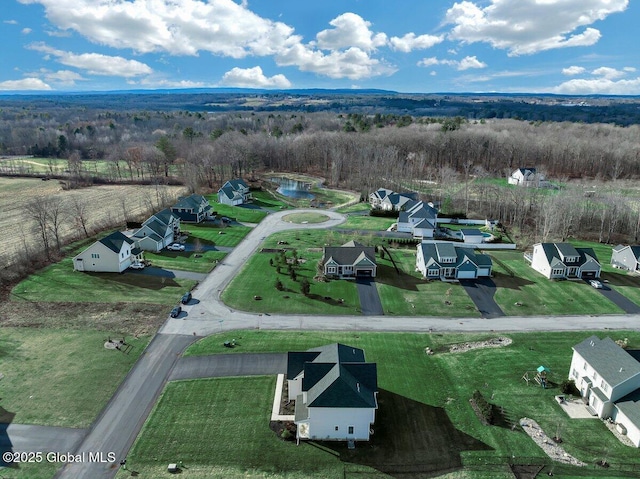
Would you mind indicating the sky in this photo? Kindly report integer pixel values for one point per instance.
(574, 47)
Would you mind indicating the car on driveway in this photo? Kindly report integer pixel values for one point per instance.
(176, 247)
(186, 297)
(224, 219)
(595, 283)
(175, 312)
(136, 266)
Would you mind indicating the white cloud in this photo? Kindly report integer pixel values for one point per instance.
(352, 63)
(573, 70)
(179, 27)
(66, 77)
(10, 22)
(24, 84)
(164, 83)
(26, 31)
(96, 63)
(608, 73)
(629, 69)
(411, 42)
(350, 30)
(530, 26)
(465, 64)
(599, 86)
(253, 78)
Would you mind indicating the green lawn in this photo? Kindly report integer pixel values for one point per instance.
(220, 236)
(434, 388)
(258, 278)
(266, 199)
(61, 377)
(198, 262)
(407, 294)
(361, 222)
(303, 218)
(539, 295)
(238, 213)
(358, 207)
(59, 282)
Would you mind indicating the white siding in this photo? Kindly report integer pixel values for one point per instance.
(99, 258)
(323, 421)
(294, 388)
(539, 261)
(633, 430)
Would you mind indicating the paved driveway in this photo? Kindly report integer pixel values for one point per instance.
(220, 365)
(369, 299)
(481, 292)
(28, 438)
(624, 303)
(169, 273)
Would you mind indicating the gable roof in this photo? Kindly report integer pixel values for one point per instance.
(165, 216)
(349, 253)
(115, 241)
(635, 249)
(335, 375)
(237, 184)
(552, 252)
(433, 253)
(192, 202)
(229, 192)
(610, 361)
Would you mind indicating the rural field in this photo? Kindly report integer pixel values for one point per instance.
(425, 425)
(104, 206)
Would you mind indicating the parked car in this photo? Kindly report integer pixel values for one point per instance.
(136, 265)
(596, 284)
(176, 247)
(186, 297)
(175, 312)
(224, 219)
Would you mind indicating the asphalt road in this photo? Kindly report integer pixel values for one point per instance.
(222, 365)
(119, 423)
(619, 300)
(29, 438)
(369, 298)
(481, 292)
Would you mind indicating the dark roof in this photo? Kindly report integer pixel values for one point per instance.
(229, 192)
(434, 252)
(349, 253)
(192, 202)
(608, 359)
(471, 232)
(164, 216)
(237, 183)
(115, 241)
(336, 375)
(566, 249)
(552, 252)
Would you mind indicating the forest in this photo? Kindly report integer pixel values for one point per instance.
(459, 162)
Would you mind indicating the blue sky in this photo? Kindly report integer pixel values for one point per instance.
(543, 46)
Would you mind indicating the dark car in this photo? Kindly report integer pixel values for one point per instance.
(175, 312)
(186, 297)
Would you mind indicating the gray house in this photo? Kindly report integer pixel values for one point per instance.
(351, 260)
(626, 257)
(445, 261)
(192, 209)
(234, 192)
(564, 261)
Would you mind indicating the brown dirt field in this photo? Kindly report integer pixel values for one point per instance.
(104, 202)
(125, 318)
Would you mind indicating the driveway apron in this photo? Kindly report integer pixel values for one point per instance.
(369, 299)
(481, 292)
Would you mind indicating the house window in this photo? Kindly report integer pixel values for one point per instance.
(351, 428)
(337, 428)
(585, 366)
(434, 272)
(604, 386)
(557, 272)
(331, 269)
(574, 373)
(95, 255)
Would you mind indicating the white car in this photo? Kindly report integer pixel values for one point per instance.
(136, 266)
(596, 284)
(176, 247)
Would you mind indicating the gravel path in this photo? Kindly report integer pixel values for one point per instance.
(548, 445)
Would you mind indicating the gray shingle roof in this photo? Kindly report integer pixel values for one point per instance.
(609, 360)
(192, 202)
(349, 254)
(115, 241)
(434, 252)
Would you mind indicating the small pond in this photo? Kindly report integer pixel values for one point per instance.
(294, 188)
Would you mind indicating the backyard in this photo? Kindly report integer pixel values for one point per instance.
(441, 431)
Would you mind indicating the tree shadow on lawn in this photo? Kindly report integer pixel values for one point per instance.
(510, 282)
(138, 280)
(411, 440)
(388, 275)
(6, 418)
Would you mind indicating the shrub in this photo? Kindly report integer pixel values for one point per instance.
(305, 287)
(482, 407)
(279, 285)
(568, 386)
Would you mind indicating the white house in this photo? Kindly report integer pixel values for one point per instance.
(335, 393)
(387, 200)
(445, 261)
(563, 261)
(111, 254)
(528, 177)
(472, 235)
(419, 219)
(608, 378)
(626, 257)
(234, 193)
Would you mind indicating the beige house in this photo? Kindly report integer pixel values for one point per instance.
(111, 254)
